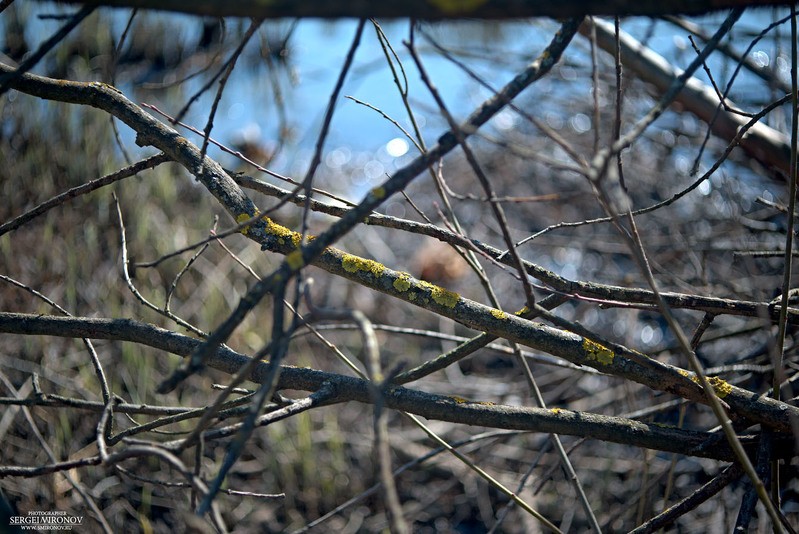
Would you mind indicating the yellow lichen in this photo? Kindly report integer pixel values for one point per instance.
(524, 310)
(379, 193)
(720, 386)
(460, 400)
(353, 264)
(499, 314)
(556, 411)
(597, 353)
(240, 218)
(445, 297)
(402, 283)
(294, 260)
(350, 263)
(282, 233)
(440, 295)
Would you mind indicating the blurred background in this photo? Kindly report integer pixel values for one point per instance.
(722, 239)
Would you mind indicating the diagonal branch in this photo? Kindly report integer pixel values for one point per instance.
(150, 131)
(592, 290)
(769, 146)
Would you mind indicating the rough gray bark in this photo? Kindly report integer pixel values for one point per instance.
(434, 9)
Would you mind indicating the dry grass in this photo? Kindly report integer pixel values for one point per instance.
(321, 458)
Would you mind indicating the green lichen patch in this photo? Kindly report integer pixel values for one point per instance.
(402, 282)
(379, 193)
(597, 353)
(282, 233)
(240, 218)
(353, 264)
(461, 400)
(445, 297)
(440, 295)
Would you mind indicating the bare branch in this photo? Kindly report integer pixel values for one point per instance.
(616, 430)
(434, 9)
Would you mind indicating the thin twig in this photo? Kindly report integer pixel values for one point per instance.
(132, 170)
(729, 475)
(601, 159)
(378, 383)
(7, 79)
(312, 250)
(316, 159)
(231, 64)
(609, 295)
(132, 287)
(75, 484)
(496, 207)
(413, 463)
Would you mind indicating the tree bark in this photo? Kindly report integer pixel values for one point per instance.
(763, 143)
(434, 9)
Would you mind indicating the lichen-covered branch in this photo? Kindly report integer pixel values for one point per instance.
(577, 349)
(445, 408)
(608, 293)
(229, 194)
(398, 284)
(618, 360)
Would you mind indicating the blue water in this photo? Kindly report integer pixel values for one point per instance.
(360, 138)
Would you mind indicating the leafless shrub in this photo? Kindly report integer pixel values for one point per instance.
(570, 307)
